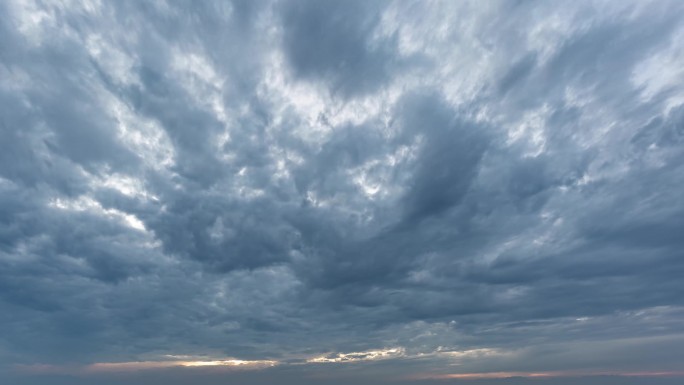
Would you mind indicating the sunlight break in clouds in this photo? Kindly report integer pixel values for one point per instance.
(105, 367)
(370, 355)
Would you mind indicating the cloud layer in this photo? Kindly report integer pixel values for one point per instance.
(403, 187)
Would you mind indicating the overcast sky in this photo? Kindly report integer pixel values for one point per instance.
(334, 192)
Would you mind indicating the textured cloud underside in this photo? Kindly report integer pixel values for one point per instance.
(440, 187)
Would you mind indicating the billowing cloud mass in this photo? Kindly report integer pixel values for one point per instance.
(322, 191)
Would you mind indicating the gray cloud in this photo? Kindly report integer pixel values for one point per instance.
(334, 42)
(471, 187)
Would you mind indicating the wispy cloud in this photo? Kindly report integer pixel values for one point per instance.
(370, 355)
(132, 366)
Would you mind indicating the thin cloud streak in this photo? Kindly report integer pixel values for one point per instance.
(133, 366)
(552, 374)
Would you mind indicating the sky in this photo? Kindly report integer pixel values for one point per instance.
(332, 192)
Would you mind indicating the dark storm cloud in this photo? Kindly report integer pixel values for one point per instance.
(448, 161)
(282, 181)
(334, 42)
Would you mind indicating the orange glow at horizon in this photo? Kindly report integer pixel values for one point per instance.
(500, 375)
